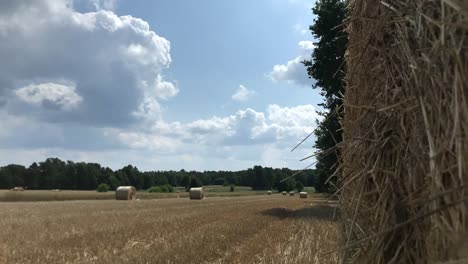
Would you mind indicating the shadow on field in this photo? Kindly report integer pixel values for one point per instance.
(320, 212)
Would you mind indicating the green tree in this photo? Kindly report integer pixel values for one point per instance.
(260, 180)
(161, 179)
(299, 186)
(185, 181)
(195, 182)
(103, 187)
(149, 179)
(327, 68)
(113, 182)
(33, 176)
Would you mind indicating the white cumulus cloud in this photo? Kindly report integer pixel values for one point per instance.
(294, 71)
(60, 95)
(279, 125)
(242, 94)
(116, 63)
(306, 45)
(165, 89)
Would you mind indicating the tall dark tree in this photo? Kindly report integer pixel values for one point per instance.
(185, 181)
(260, 180)
(32, 177)
(195, 182)
(327, 68)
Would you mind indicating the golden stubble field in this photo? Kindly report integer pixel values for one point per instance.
(249, 229)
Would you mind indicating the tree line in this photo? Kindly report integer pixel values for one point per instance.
(54, 173)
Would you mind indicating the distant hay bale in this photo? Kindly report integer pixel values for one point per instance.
(303, 195)
(125, 193)
(291, 193)
(196, 193)
(56, 190)
(404, 166)
(18, 189)
(269, 192)
(284, 193)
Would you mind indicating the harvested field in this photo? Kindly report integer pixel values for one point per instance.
(249, 229)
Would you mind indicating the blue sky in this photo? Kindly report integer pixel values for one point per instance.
(158, 84)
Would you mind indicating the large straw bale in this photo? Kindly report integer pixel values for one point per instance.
(196, 193)
(269, 192)
(404, 168)
(125, 193)
(303, 195)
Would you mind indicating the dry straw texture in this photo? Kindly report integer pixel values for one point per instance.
(303, 194)
(404, 167)
(125, 193)
(196, 193)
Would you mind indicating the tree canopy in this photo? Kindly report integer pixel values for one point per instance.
(327, 68)
(54, 173)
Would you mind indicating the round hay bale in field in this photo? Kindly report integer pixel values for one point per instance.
(196, 193)
(303, 195)
(125, 193)
(269, 192)
(18, 189)
(291, 193)
(284, 193)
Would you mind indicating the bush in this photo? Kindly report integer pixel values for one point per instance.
(103, 187)
(231, 188)
(154, 189)
(169, 188)
(162, 188)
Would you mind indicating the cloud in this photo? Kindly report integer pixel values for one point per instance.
(164, 89)
(242, 94)
(115, 63)
(278, 125)
(298, 116)
(243, 139)
(307, 46)
(294, 71)
(94, 5)
(104, 4)
(62, 96)
(26, 132)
